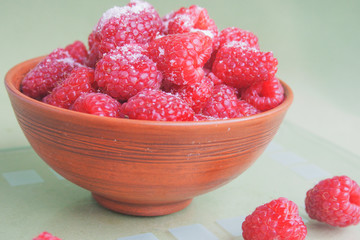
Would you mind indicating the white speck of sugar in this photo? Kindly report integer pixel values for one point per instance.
(185, 19)
(206, 32)
(161, 51)
(240, 44)
(127, 52)
(70, 61)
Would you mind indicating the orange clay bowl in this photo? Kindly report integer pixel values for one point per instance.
(139, 167)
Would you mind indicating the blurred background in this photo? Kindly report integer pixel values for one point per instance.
(317, 44)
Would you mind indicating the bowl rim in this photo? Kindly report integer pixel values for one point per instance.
(13, 74)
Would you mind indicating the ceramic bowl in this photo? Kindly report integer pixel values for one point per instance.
(138, 167)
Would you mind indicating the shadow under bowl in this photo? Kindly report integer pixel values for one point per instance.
(138, 167)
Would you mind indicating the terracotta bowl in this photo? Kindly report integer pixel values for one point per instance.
(139, 167)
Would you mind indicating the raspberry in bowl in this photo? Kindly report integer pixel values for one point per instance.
(147, 124)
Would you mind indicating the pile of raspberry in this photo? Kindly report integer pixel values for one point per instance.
(176, 68)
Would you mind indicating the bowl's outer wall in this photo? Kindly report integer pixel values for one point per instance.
(141, 162)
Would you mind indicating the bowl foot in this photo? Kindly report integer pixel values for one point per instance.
(141, 209)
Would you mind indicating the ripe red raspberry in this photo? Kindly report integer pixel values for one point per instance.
(181, 57)
(98, 104)
(231, 34)
(94, 54)
(46, 236)
(240, 66)
(246, 108)
(223, 103)
(125, 71)
(78, 51)
(79, 81)
(213, 78)
(196, 95)
(190, 19)
(278, 219)
(335, 201)
(137, 22)
(53, 68)
(264, 95)
(158, 106)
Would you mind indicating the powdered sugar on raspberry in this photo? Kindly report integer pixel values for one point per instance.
(117, 12)
(240, 44)
(131, 51)
(161, 51)
(206, 32)
(69, 61)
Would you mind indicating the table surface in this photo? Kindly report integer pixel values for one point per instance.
(317, 45)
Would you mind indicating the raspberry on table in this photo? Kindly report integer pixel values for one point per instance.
(240, 66)
(264, 95)
(78, 51)
(181, 57)
(137, 22)
(46, 236)
(196, 95)
(125, 71)
(80, 80)
(55, 67)
(158, 106)
(223, 103)
(99, 104)
(335, 201)
(278, 219)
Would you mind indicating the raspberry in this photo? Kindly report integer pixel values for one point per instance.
(94, 52)
(53, 68)
(79, 81)
(335, 201)
(231, 34)
(264, 95)
(98, 104)
(137, 22)
(278, 219)
(202, 117)
(196, 95)
(214, 78)
(223, 103)
(181, 57)
(189, 19)
(125, 71)
(240, 66)
(78, 51)
(157, 105)
(46, 236)
(247, 109)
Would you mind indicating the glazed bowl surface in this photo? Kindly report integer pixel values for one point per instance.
(139, 167)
